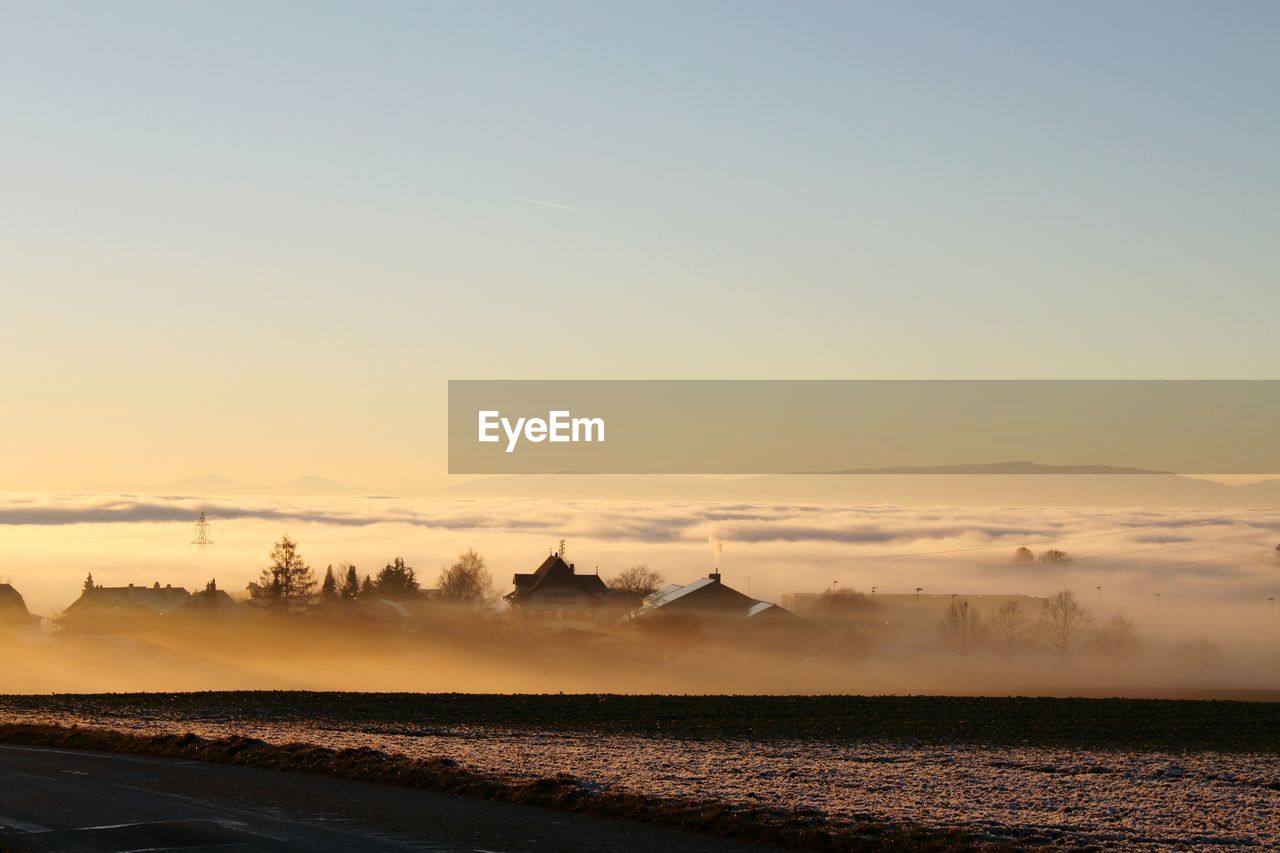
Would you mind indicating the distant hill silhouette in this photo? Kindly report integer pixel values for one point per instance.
(924, 488)
(1002, 468)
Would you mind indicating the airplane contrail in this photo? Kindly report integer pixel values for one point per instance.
(538, 201)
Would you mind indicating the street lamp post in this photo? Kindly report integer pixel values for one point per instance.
(919, 590)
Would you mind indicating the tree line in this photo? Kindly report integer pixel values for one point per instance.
(1063, 626)
(289, 584)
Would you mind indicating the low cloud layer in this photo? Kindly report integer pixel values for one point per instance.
(655, 522)
(1183, 542)
(1213, 554)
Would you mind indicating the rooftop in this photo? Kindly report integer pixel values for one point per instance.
(554, 571)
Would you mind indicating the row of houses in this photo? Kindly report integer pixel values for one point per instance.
(555, 597)
(552, 599)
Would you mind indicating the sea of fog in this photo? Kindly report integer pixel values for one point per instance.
(1211, 569)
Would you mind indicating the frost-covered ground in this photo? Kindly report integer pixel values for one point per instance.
(1108, 798)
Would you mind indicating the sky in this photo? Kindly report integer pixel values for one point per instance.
(257, 239)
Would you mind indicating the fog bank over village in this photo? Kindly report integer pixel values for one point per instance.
(628, 596)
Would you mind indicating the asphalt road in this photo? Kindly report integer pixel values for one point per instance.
(69, 800)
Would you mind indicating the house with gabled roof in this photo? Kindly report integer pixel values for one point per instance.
(708, 609)
(118, 607)
(13, 609)
(554, 596)
(212, 601)
(707, 599)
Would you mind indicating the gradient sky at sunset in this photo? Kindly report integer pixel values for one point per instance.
(257, 239)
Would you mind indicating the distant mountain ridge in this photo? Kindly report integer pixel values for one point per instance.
(1020, 467)
(925, 488)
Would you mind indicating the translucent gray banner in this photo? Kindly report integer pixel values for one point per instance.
(863, 426)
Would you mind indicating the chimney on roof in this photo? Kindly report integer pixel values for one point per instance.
(715, 576)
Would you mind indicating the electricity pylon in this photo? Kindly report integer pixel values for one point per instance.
(202, 539)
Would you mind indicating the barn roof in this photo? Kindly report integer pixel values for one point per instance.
(703, 594)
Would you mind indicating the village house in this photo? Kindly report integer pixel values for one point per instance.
(555, 597)
(14, 616)
(707, 601)
(709, 609)
(107, 608)
(213, 601)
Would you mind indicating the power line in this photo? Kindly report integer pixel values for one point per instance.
(1213, 559)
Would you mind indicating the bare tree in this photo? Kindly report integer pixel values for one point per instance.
(1118, 639)
(1023, 556)
(287, 583)
(1064, 623)
(638, 580)
(467, 581)
(1009, 629)
(1202, 654)
(1053, 555)
(960, 628)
